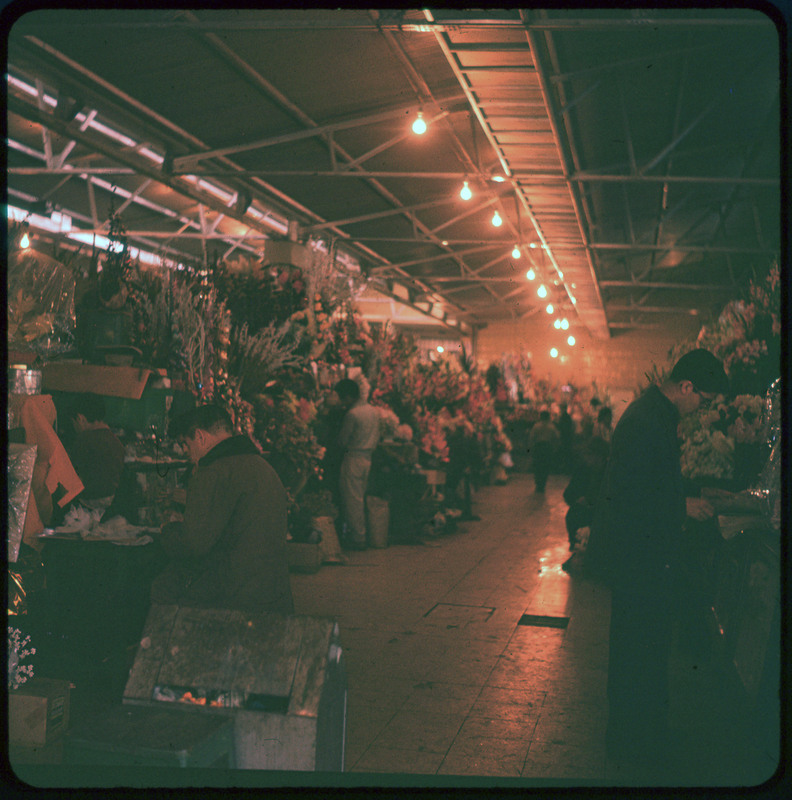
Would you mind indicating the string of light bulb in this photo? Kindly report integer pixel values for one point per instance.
(419, 127)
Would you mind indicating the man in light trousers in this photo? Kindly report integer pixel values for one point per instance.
(359, 436)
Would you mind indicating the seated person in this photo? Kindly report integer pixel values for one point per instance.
(229, 549)
(95, 451)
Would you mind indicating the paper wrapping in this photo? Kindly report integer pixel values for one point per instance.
(37, 416)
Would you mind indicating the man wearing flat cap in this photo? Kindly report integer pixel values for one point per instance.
(635, 541)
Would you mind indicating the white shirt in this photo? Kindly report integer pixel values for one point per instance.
(360, 429)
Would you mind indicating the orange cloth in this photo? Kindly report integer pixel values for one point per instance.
(37, 414)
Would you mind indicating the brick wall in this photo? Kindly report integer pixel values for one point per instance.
(618, 363)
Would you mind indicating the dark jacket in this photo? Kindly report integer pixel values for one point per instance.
(230, 550)
(638, 521)
(98, 458)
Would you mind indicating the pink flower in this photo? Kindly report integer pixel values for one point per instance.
(305, 410)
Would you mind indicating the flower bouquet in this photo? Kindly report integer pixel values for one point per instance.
(747, 335)
(18, 650)
(723, 442)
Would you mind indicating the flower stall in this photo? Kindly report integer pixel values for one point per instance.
(724, 443)
(520, 396)
(731, 454)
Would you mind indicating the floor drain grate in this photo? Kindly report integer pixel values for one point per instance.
(458, 613)
(538, 621)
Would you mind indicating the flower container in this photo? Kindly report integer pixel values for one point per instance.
(38, 712)
(377, 521)
(304, 557)
(329, 546)
(434, 477)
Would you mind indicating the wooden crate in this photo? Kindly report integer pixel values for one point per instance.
(152, 737)
(289, 670)
(38, 712)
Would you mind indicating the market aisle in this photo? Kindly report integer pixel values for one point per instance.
(445, 681)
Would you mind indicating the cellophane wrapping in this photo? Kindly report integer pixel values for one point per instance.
(41, 313)
(21, 460)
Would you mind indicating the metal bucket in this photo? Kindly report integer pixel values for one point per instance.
(24, 381)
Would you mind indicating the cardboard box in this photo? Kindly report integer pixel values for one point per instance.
(38, 712)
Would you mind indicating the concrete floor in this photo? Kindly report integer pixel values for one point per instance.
(445, 684)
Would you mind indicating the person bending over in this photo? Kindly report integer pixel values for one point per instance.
(229, 549)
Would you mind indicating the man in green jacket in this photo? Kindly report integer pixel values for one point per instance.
(229, 549)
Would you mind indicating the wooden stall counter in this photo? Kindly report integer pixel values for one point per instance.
(67, 376)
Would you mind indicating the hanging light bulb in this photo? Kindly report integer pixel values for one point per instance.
(465, 192)
(440, 348)
(531, 275)
(564, 323)
(571, 341)
(516, 252)
(419, 126)
(554, 353)
(24, 242)
(557, 323)
(496, 219)
(542, 291)
(549, 308)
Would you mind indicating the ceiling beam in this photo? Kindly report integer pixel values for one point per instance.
(439, 257)
(695, 287)
(478, 279)
(124, 156)
(683, 248)
(642, 178)
(568, 160)
(269, 21)
(640, 325)
(524, 177)
(255, 78)
(86, 83)
(655, 309)
(424, 90)
(186, 162)
(391, 212)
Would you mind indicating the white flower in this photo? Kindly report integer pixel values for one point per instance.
(18, 650)
(404, 432)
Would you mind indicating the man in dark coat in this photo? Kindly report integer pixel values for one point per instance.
(229, 550)
(566, 429)
(95, 451)
(635, 540)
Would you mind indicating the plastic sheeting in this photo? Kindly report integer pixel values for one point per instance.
(768, 486)
(41, 313)
(21, 460)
